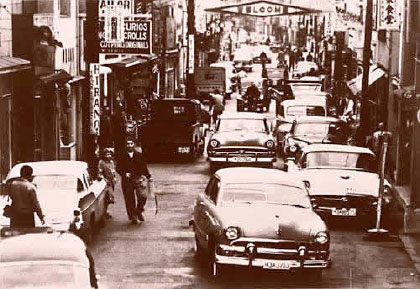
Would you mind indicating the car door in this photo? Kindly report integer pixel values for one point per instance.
(98, 188)
(86, 201)
(201, 214)
(212, 223)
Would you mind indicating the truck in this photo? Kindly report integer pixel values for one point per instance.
(176, 127)
(207, 80)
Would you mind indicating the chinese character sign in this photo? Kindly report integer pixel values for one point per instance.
(389, 17)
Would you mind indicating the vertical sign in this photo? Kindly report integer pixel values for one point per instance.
(389, 15)
(190, 53)
(95, 98)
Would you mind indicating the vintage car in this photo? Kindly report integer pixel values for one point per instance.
(46, 260)
(304, 68)
(70, 198)
(288, 110)
(255, 217)
(314, 129)
(343, 181)
(241, 139)
(175, 128)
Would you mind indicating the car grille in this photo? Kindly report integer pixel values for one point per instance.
(281, 249)
(362, 203)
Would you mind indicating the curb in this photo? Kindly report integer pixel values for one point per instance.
(410, 248)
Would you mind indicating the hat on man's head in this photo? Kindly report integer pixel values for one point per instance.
(26, 171)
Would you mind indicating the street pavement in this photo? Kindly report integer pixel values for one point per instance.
(158, 253)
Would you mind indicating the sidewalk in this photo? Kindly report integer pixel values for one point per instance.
(409, 234)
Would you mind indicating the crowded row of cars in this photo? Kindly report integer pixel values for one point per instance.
(254, 215)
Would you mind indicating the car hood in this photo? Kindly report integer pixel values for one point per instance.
(242, 138)
(341, 182)
(265, 220)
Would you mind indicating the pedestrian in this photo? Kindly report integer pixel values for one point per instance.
(106, 169)
(217, 105)
(23, 194)
(135, 180)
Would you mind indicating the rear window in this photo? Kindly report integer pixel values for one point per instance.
(174, 111)
(301, 110)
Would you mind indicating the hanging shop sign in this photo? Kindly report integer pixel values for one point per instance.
(389, 18)
(137, 38)
(95, 98)
(262, 9)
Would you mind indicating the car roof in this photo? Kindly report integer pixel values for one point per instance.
(317, 119)
(242, 115)
(304, 101)
(73, 168)
(253, 174)
(55, 246)
(335, 148)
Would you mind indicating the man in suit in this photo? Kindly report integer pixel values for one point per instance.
(135, 178)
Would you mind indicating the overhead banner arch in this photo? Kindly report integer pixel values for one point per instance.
(264, 8)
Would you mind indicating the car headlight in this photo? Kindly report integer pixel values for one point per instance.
(232, 233)
(321, 238)
(293, 148)
(214, 143)
(270, 144)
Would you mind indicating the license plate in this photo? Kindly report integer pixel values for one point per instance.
(277, 265)
(242, 159)
(344, 212)
(183, 150)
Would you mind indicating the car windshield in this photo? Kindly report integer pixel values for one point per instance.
(255, 125)
(44, 276)
(341, 160)
(311, 128)
(55, 183)
(305, 110)
(249, 193)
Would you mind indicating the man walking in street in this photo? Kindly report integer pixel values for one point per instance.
(134, 180)
(23, 194)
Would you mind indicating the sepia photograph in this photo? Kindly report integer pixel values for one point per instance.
(209, 144)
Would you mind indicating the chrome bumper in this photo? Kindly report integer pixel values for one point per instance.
(264, 263)
(235, 160)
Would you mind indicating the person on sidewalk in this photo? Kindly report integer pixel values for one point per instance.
(23, 194)
(134, 180)
(106, 170)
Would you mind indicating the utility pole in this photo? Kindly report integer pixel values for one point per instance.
(191, 50)
(364, 110)
(91, 56)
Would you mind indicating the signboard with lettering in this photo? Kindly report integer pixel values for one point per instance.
(95, 98)
(389, 18)
(137, 38)
(262, 9)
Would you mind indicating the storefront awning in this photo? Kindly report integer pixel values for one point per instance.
(355, 84)
(127, 63)
(59, 75)
(12, 64)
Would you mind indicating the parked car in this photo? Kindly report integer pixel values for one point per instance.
(314, 129)
(255, 217)
(288, 110)
(46, 260)
(241, 138)
(70, 198)
(343, 181)
(175, 128)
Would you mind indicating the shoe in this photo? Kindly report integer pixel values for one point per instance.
(140, 216)
(133, 222)
(108, 215)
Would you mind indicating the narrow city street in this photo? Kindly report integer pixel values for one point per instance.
(159, 252)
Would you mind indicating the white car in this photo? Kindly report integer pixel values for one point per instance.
(342, 180)
(69, 198)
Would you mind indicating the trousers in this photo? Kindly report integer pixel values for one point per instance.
(22, 220)
(131, 192)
